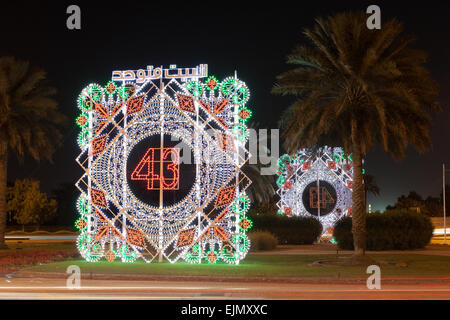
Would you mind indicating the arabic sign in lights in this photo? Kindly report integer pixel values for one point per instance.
(317, 184)
(162, 151)
(150, 73)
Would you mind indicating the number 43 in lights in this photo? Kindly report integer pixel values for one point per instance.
(160, 168)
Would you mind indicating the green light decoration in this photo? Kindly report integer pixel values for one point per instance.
(244, 114)
(126, 91)
(94, 253)
(83, 241)
(228, 86)
(281, 180)
(212, 256)
(229, 253)
(333, 240)
(241, 206)
(342, 157)
(281, 165)
(95, 92)
(235, 90)
(85, 103)
(82, 120)
(240, 131)
(245, 224)
(84, 207)
(194, 254)
(195, 88)
(81, 224)
(211, 83)
(111, 88)
(242, 241)
(241, 96)
(127, 254)
(84, 138)
(286, 159)
(283, 162)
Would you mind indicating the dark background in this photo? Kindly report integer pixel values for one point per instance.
(252, 39)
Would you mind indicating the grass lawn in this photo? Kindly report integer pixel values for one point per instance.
(27, 245)
(264, 266)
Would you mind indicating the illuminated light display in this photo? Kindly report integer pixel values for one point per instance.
(162, 152)
(152, 167)
(317, 184)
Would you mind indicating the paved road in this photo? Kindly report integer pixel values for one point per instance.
(21, 288)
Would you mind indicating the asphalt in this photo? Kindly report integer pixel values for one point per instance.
(56, 289)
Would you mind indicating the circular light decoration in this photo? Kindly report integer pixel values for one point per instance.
(162, 156)
(317, 184)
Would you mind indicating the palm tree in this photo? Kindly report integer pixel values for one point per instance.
(370, 185)
(362, 87)
(29, 120)
(262, 190)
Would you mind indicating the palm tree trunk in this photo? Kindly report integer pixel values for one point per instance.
(365, 198)
(3, 178)
(358, 211)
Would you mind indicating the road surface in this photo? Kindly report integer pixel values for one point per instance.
(35, 288)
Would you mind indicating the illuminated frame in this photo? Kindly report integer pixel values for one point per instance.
(297, 171)
(209, 224)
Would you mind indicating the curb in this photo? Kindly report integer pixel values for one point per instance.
(144, 277)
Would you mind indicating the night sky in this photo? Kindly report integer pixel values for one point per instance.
(227, 36)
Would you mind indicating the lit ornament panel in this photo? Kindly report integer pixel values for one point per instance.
(317, 184)
(162, 166)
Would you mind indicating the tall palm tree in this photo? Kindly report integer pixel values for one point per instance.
(29, 120)
(370, 185)
(362, 87)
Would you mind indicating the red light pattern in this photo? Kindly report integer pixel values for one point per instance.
(350, 184)
(220, 232)
(186, 237)
(225, 196)
(98, 198)
(332, 165)
(135, 237)
(98, 144)
(135, 104)
(227, 143)
(161, 171)
(325, 198)
(186, 103)
(306, 165)
(102, 111)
